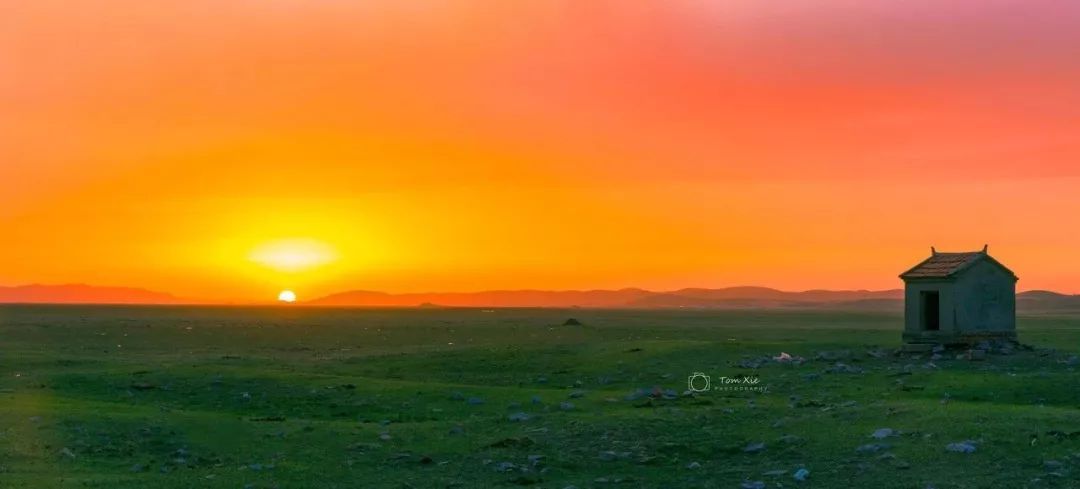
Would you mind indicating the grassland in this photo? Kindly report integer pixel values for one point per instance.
(118, 397)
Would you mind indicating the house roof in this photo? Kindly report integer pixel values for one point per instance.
(946, 265)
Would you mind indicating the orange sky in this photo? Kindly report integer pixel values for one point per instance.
(224, 150)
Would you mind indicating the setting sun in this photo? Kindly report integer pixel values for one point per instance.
(287, 296)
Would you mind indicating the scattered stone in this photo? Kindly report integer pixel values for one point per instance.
(832, 356)
(966, 446)
(143, 386)
(784, 357)
(536, 400)
(774, 473)
(566, 406)
(871, 448)
(1052, 465)
(916, 348)
(754, 447)
(535, 460)
(137, 468)
(518, 417)
(67, 453)
(693, 466)
(384, 436)
(608, 456)
(1073, 361)
(505, 466)
(475, 401)
(752, 485)
(571, 322)
(753, 363)
(457, 430)
(801, 475)
(883, 433)
(976, 355)
(577, 394)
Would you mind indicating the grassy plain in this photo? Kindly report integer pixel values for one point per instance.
(118, 397)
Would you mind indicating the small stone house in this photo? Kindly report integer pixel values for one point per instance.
(954, 298)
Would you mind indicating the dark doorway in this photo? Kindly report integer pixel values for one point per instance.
(931, 310)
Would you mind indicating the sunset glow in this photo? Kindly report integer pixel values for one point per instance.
(287, 296)
(218, 149)
(293, 255)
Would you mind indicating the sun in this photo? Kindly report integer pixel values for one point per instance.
(287, 296)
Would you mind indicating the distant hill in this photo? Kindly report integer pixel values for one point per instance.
(1044, 300)
(759, 297)
(732, 297)
(690, 298)
(493, 298)
(83, 294)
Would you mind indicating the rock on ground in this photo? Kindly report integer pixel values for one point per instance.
(966, 446)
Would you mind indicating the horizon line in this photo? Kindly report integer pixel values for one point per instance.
(188, 301)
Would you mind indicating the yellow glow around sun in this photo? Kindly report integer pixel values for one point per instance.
(287, 296)
(293, 255)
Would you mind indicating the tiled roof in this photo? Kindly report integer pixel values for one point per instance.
(942, 265)
(945, 265)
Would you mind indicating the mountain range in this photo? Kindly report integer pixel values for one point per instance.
(697, 298)
(83, 294)
(629, 298)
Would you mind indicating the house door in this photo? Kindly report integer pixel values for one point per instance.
(931, 310)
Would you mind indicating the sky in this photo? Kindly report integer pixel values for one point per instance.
(226, 150)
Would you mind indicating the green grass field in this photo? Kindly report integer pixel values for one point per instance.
(116, 397)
